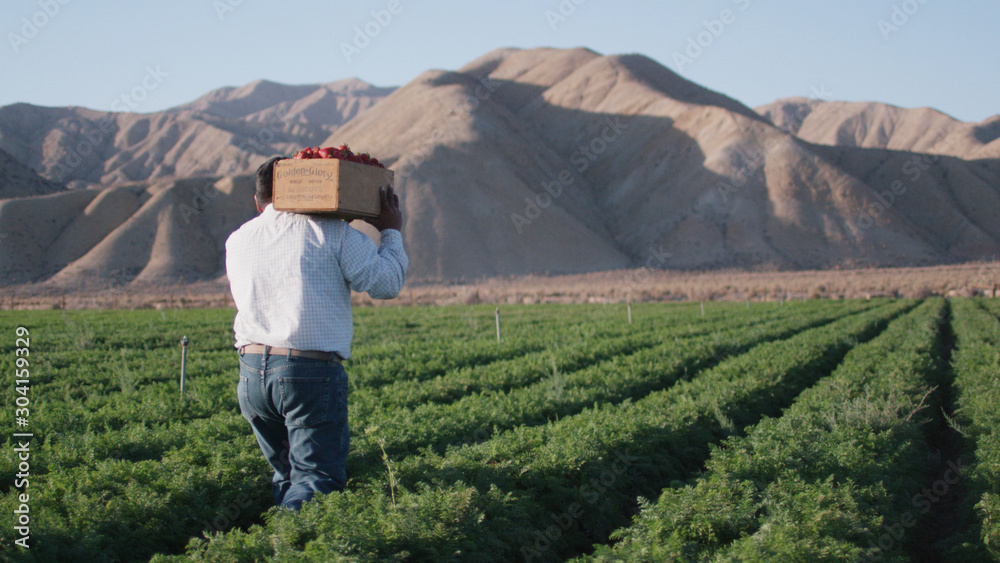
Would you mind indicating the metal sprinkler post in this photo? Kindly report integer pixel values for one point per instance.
(184, 356)
(498, 323)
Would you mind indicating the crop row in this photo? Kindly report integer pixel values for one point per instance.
(553, 346)
(565, 357)
(129, 468)
(548, 491)
(129, 457)
(976, 362)
(383, 360)
(839, 476)
(477, 416)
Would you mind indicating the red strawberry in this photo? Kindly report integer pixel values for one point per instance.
(343, 152)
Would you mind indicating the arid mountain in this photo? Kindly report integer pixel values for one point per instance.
(882, 126)
(323, 106)
(17, 180)
(227, 131)
(154, 232)
(542, 160)
(678, 175)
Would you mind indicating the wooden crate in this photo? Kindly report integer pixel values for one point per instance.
(329, 186)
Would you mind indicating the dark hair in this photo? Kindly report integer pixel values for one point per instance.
(265, 180)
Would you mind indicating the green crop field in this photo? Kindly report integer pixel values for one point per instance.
(803, 431)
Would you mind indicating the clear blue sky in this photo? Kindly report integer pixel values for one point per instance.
(937, 53)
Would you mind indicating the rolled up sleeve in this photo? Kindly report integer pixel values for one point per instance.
(381, 271)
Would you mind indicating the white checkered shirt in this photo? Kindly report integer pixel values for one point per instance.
(291, 276)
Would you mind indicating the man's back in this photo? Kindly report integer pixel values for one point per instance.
(292, 276)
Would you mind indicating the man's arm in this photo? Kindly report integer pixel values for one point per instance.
(380, 272)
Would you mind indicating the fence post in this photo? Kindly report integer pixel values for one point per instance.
(629, 312)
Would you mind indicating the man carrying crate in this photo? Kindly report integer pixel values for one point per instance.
(291, 276)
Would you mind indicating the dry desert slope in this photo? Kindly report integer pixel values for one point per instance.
(557, 161)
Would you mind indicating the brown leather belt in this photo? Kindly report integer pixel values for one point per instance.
(311, 354)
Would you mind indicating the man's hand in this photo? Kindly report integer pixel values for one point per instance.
(390, 217)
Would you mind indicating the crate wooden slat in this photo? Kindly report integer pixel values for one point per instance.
(329, 186)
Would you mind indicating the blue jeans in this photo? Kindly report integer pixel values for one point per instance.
(297, 408)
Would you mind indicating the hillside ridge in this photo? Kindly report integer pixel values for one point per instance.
(522, 161)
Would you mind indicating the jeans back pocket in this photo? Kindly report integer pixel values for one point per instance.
(306, 400)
